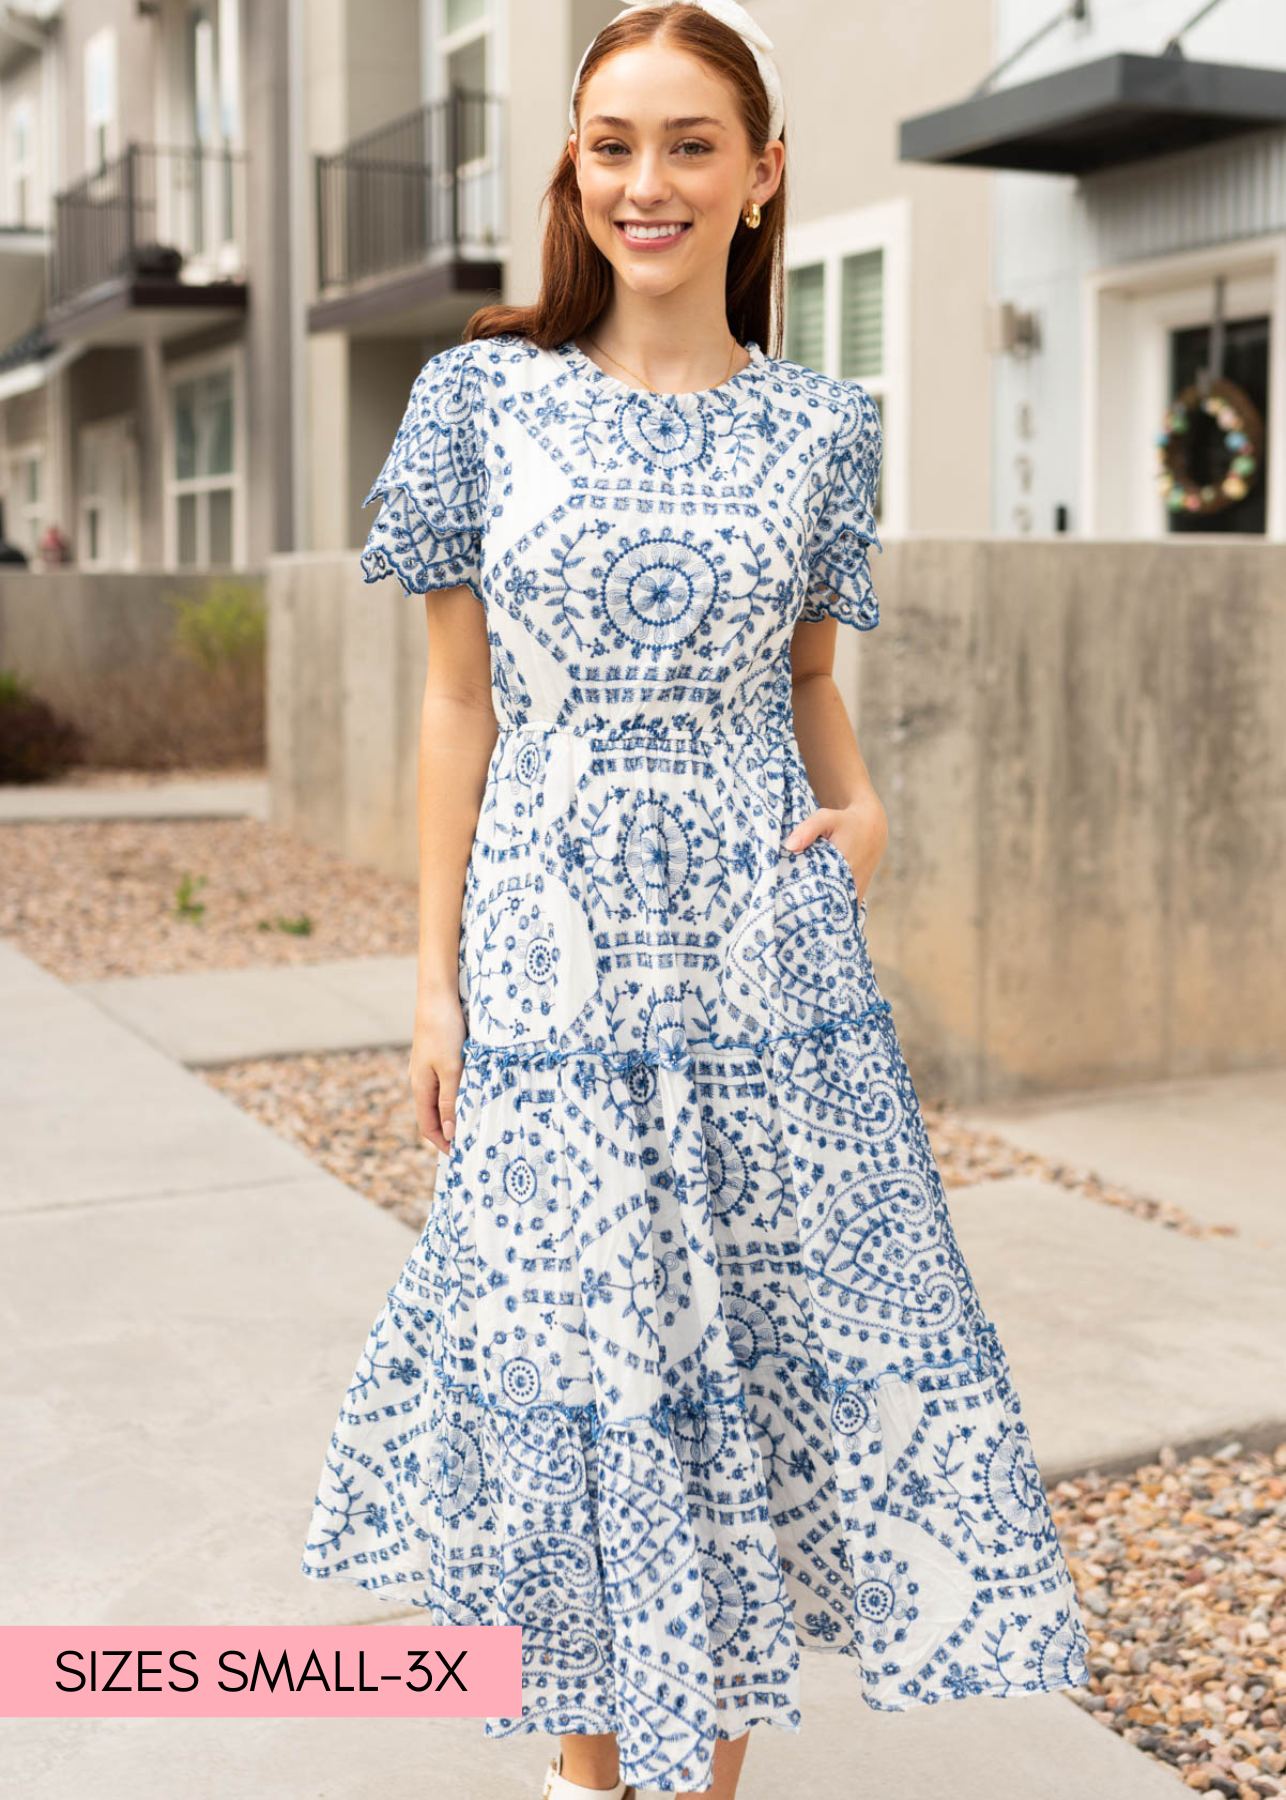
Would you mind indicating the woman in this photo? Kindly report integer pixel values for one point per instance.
(687, 1370)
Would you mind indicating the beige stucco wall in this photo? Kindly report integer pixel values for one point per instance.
(381, 373)
(1081, 749)
(24, 85)
(361, 69)
(545, 44)
(136, 66)
(851, 73)
(270, 370)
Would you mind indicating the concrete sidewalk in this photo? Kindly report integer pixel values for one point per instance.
(187, 1295)
(217, 1016)
(171, 797)
(1214, 1145)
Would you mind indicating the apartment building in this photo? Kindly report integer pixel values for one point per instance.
(231, 233)
(1136, 156)
(144, 396)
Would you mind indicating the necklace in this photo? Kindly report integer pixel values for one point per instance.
(647, 384)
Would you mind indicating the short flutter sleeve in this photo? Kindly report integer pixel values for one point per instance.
(839, 577)
(433, 484)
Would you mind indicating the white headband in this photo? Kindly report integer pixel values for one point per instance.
(739, 19)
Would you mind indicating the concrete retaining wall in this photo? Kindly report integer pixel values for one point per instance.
(61, 626)
(1081, 748)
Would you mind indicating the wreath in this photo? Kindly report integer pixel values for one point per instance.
(1242, 429)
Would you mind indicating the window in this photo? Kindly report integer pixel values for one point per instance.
(1247, 343)
(861, 340)
(204, 482)
(100, 97)
(845, 278)
(213, 104)
(465, 61)
(22, 196)
(806, 315)
(850, 345)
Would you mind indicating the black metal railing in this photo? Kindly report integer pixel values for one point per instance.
(150, 210)
(428, 181)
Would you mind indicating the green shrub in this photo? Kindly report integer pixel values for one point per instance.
(223, 628)
(35, 743)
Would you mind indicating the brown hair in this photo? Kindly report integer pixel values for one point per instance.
(576, 278)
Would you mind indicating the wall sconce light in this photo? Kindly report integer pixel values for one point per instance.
(1011, 332)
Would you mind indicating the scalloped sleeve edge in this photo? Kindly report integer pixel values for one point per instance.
(427, 539)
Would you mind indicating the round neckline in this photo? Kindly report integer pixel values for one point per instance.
(690, 396)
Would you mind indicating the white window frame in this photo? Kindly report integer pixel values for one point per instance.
(441, 45)
(233, 358)
(21, 169)
(100, 44)
(23, 521)
(829, 240)
(1127, 313)
(218, 257)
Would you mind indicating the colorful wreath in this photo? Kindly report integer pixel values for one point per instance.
(1239, 420)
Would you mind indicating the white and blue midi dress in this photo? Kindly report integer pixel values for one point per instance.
(686, 1371)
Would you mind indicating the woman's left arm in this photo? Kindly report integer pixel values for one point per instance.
(849, 812)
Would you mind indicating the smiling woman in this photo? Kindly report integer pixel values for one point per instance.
(686, 1372)
(666, 189)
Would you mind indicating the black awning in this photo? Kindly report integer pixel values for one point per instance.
(1118, 109)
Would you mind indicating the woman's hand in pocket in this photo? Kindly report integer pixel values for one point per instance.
(858, 831)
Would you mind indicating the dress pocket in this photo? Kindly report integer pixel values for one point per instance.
(843, 869)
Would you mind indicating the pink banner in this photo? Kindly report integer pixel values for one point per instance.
(257, 1671)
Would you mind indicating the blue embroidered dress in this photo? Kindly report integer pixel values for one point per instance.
(686, 1370)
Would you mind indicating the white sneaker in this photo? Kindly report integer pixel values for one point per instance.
(557, 1787)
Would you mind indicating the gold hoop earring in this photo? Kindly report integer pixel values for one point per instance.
(752, 215)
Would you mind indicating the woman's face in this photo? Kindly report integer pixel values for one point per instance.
(661, 143)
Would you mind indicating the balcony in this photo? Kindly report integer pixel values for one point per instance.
(410, 221)
(149, 246)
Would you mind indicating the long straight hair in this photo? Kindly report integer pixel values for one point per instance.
(575, 276)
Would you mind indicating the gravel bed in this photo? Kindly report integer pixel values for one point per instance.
(1181, 1572)
(89, 899)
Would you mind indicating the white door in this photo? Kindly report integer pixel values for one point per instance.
(108, 482)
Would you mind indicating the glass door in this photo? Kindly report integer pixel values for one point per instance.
(1206, 454)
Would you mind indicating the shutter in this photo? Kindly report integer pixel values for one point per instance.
(806, 316)
(862, 315)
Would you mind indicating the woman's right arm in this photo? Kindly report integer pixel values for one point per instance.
(457, 735)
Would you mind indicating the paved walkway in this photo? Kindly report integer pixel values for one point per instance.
(185, 1297)
(1215, 1145)
(211, 1017)
(172, 797)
